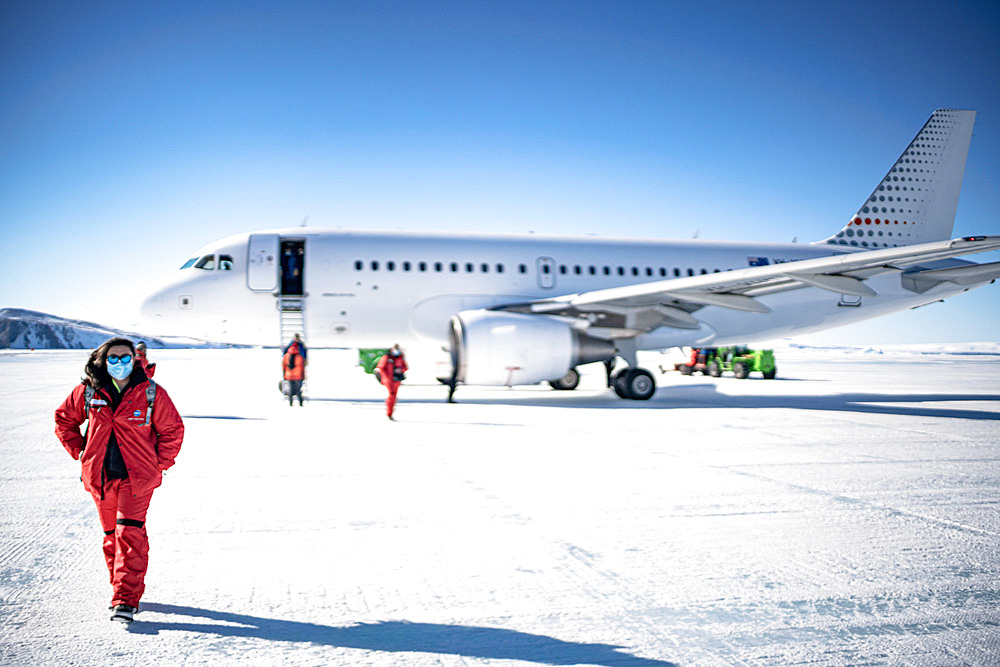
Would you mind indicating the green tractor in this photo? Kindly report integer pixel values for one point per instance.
(368, 358)
(738, 360)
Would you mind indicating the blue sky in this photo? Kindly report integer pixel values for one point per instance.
(133, 133)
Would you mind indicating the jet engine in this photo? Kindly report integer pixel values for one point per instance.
(498, 348)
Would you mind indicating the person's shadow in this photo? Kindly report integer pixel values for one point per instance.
(397, 637)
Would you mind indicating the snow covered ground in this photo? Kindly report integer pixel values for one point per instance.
(844, 514)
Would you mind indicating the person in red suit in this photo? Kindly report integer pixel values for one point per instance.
(133, 434)
(294, 365)
(140, 356)
(392, 371)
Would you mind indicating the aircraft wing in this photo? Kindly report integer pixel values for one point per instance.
(642, 307)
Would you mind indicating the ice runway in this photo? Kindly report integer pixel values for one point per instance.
(844, 514)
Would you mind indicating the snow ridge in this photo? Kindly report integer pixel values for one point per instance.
(29, 329)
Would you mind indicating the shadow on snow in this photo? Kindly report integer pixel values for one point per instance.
(398, 637)
(697, 396)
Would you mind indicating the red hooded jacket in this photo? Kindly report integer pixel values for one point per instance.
(146, 450)
(387, 366)
(293, 364)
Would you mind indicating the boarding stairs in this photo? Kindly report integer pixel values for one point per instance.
(292, 317)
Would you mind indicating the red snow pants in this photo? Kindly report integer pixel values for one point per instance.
(390, 401)
(126, 547)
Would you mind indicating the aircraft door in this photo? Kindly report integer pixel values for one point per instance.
(262, 262)
(546, 272)
(293, 265)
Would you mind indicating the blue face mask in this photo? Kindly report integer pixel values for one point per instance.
(120, 371)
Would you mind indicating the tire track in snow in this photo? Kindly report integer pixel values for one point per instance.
(844, 498)
(603, 585)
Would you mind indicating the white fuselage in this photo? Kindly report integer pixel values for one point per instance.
(371, 289)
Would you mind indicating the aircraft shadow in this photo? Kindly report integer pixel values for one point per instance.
(398, 637)
(859, 402)
(706, 396)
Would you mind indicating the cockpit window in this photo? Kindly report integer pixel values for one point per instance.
(207, 262)
(225, 263)
(189, 263)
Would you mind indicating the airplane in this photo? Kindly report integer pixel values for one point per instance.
(523, 309)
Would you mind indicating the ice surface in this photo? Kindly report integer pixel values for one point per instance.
(844, 514)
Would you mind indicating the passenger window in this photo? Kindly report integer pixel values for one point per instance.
(422, 266)
(188, 264)
(207, 263)
(358, 265)
(523, 268)
(485, 268)
(621, 270)
(225, 263)
(374, 266)
(677, 273)
(469, 268)
(406, 266)
(499, 268)
(390, 266)
(454, 267)
(438, 267)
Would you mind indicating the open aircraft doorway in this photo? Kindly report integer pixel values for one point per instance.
(293, 261)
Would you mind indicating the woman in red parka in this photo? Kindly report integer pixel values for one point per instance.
(134, 434)
(391, 371)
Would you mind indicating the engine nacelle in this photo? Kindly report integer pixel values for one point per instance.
(497, 348)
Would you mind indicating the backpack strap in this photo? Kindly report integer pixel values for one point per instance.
(88, 395)
(150, 398)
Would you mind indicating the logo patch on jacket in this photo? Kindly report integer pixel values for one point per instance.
(97, 402)
(137, 413)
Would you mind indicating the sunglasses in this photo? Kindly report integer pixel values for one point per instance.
(114, 358)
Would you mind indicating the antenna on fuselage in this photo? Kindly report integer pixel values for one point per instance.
(304, 221)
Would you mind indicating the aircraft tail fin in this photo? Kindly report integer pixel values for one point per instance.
(916, 201)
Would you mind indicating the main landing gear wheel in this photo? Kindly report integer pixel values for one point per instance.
(567, 382)
(634, 383)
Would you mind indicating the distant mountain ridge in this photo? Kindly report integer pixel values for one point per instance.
(29, 329)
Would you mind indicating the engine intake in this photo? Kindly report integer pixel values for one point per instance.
(497, 348)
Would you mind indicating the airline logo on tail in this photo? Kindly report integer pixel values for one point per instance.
(916, 201)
